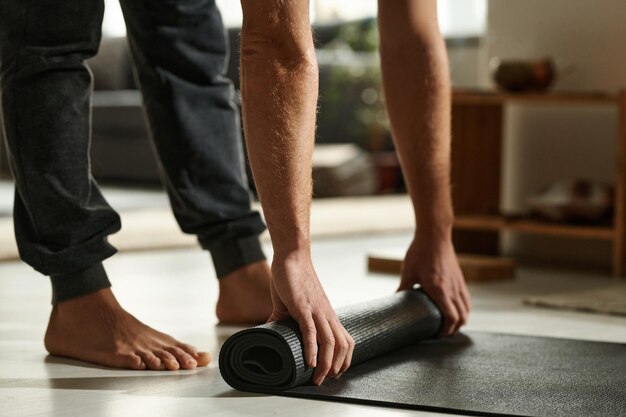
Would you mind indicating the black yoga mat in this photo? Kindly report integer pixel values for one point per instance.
(395, 365)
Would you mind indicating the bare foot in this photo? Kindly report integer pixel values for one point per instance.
(95, 328)
(245, 296)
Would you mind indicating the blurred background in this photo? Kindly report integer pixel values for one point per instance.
(536, 160)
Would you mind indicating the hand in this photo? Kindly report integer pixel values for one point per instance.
(297, 292)
(432, 263)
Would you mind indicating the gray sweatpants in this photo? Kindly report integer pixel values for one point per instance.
(179, 48)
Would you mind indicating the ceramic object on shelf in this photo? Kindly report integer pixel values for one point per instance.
(523, 75)
(575, 201)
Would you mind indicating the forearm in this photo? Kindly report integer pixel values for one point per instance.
(279, 86)
(417, 93)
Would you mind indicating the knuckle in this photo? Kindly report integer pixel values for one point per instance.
(439, 289)
(324, 366)
(305, 321)
(345, 346)
(301, 315)
(453, 318)
(329, 340)
(351, 341)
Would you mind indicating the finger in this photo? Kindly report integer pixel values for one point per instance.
(348, 360)
(450, 315)
(404, 285)
(309, 338)
(168, 360)
(151, 361)
(326, 340)
(185, 360)
(341, 348)
(467, 300)
(460, 308)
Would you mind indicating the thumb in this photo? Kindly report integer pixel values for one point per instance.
(405, 285)
(276, 316)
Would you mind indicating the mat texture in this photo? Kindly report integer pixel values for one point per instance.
(605, 300)
(396, 365)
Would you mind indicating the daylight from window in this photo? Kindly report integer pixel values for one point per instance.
(457, 18)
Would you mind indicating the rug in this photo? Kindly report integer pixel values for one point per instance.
(605, 300)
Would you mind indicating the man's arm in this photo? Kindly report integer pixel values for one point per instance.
(279, 86)
(417, 93)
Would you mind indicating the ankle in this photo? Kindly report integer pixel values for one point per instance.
(101, 298)
(256, 270)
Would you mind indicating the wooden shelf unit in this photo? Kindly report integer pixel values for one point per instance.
(477, 126)
(530, 226)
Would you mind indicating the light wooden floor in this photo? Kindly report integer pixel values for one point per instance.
(175, 291)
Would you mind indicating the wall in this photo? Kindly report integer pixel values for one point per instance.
(547, 143)
(465, 58)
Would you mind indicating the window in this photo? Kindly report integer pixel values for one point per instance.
(113, 22)
(462, 18)
(457, 18)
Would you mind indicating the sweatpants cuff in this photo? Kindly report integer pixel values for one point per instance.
(233, 254)
(72, 285)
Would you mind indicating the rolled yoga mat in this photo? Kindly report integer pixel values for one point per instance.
(394, 365)
(270, 357)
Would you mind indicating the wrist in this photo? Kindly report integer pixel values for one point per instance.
(298, 261)
(434, 229)
(289, 242)
(296, 252)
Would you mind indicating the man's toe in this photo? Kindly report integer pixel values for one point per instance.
(201, 358)
(151, 361)
(185, 360)
(168, 360)
(130, 361)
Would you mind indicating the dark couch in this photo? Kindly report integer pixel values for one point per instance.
(121, 150)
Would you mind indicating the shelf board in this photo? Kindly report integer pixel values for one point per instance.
(486, 97)
(529, 226)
